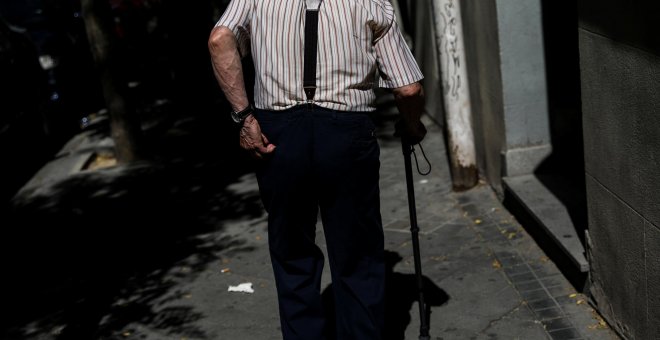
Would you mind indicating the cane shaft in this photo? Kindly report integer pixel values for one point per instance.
(414, 230)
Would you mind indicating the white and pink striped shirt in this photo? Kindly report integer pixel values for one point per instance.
(357, 40)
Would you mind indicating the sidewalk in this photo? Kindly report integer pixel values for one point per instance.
(487, 279)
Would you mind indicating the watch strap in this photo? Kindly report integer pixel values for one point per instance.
(240, 116)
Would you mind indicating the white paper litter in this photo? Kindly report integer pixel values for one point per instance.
(242, 288)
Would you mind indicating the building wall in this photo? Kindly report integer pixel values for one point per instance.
(506, 71)
(620, 76)
(483, 59)
(523, 72)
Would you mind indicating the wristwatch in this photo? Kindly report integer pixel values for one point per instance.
(240, 116)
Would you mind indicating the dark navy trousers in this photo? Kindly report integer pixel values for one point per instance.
(325, 161)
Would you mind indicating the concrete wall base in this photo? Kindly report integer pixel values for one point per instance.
(522, 161)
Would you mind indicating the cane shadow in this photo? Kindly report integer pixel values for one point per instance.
(400, 297)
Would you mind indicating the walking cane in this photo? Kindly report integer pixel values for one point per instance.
(414, 230)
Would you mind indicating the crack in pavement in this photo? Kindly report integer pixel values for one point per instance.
(502, 317)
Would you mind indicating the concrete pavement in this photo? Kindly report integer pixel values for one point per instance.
(489, 280)
(486, 278)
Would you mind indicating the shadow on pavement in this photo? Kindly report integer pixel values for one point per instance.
(400, 296)
(87, 256)
(105, 250)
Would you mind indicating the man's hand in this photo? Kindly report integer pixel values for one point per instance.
(410, 101)
(410, 132)
(253, 140)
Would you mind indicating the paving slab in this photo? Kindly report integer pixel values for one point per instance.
(485, 277)
(551, 214)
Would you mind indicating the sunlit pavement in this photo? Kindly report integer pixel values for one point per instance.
(486, 278)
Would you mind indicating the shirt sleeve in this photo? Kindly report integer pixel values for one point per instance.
(396, 64)
(237, 18)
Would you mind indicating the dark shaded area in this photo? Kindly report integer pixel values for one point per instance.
(67, 87)
(563, 171)
(407, 10)
(99, 250)
(400, 296)
(51, 85)
(22, 125)
(74, 252)
(630, 22)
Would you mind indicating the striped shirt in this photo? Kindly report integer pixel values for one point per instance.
(358, 41)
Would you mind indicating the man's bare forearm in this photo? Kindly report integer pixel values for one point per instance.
(228, 71)
(227, 66)
(410, 101)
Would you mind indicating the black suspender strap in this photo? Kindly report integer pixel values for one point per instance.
(311, 45)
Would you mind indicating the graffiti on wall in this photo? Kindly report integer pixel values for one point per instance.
(450, 48)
